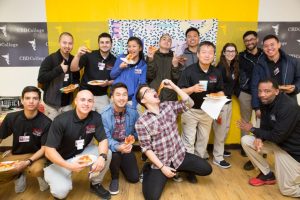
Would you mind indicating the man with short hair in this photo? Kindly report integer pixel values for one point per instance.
(54, 74)
(247, 60)
(279, 133)
(97, 66)
(192, 36)
(29, 128)
(119, 119)
(71, 135)
(163, 64)
(275, 64)
(196, 124)
(160, 141)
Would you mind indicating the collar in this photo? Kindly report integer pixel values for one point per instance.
(23, 116)
(76, 118)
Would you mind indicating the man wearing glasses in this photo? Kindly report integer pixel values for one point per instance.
(159, 139)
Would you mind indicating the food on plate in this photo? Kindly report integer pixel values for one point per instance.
(129, 139)
(96, 82)
(217, 94)
(182, 58)
(8, 165)
(129, 57)
(69, 88)
(286, 87)
(85, 159)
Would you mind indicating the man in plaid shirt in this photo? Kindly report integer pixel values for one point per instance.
(160, 141)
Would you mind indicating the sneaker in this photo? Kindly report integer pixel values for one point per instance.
(177, 178)
(191, 177)
(114, 186)
(43, 184)
(262, 179)
(248, 166)
(223, 164)
(227, 154)
(20, 184)
(99, 190)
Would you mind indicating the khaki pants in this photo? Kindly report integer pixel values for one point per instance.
(287, 169)
(100, 103)
(35, 170)
(196, 126)
(52, 112)
(245, 108)
(221, 131)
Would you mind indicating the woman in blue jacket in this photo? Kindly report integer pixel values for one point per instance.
(131, 72)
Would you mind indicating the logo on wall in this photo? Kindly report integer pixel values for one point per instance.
(287, 33)
(6, 58)
(3, 29)
(25, 41)
(33, 44)
(276, 29)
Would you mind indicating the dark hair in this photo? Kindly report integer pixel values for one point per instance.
(104, 35)
(191, 29)
(140, 43)
(138, 95)
(270, 80)
(31, 89)
(234, 62)
(206, 43)
(117, 85)
(267, 37)
(65, 33)
(250, 33)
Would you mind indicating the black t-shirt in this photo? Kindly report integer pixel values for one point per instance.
(28, 134)
(275, 70)
(193, 74)
(67, 128)
(93, 70)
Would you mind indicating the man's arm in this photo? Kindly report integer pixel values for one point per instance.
(75, 62)
(100, 163)
(55, 157)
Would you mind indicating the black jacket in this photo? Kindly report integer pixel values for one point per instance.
(52, 76)
(280, 124)
(290, 70)
(246, 65)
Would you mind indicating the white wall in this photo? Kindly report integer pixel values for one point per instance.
(13, 79)
(279, 11)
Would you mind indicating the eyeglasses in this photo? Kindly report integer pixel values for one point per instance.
(148, 90)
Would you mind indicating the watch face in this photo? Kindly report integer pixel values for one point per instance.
(103, 156)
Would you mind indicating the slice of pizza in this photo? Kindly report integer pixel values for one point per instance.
(129, 139)
(129, 57)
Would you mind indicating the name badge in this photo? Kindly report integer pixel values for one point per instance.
(276, 71)
(79, 144)
(101, 65)
(138, 71)
(66, 78)
(24, 138)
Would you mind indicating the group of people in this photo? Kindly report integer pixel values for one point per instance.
(266, 80)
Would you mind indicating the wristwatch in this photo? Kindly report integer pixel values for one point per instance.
(103, 155)
(252, 129)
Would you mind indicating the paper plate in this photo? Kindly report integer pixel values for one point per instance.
(131, 62)
(88, 159)
(65, 89)
(95, 82)
(7, 165)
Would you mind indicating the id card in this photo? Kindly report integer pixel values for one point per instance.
(276, 71)
(137, 71)
(101, 65)
(66, 78)
(24, 138)
(79, 144)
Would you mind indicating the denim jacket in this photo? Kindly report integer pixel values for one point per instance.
(108, 120)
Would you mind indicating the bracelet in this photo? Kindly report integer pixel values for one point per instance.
(161, 166)
(30, 161)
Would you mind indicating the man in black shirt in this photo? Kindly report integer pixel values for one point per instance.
(29, 128)
(195, 122)
(97, 66)
(279, 133)
(70, 135)
(54, 74)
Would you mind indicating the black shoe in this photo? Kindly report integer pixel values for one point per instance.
(227, 153)
(191, 177)
(100, 191)
(243, 153)
(248, 166)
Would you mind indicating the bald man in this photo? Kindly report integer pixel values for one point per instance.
(70, 135)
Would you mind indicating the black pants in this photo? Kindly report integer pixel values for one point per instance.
(127, 163)
(154, 180)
